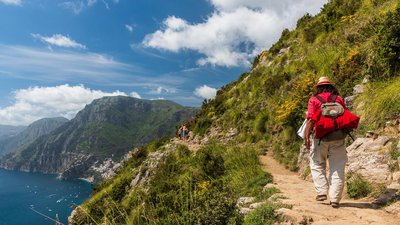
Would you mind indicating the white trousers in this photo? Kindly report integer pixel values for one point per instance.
(335, 153)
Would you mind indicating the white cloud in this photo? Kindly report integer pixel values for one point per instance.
(60, 41)
(33, 65)
(235, 32)
(226, 5)
(66, 66)
(159, 98)
(160, 90)
(129, 27)
(91, 2)
(11, 2)
(77, 6)
(205, 92)
(39, 102)
(135, 95)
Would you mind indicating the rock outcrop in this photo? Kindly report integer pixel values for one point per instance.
(370, 158)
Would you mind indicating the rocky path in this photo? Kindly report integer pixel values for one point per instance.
(193, 147)
(300, 194)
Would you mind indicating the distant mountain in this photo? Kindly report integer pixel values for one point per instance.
(12, 141)
(107, 128)
(7, 131)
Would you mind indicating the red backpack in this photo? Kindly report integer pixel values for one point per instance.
(324, 125)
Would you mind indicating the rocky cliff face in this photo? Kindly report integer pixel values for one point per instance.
(38, 128)
(105, 129)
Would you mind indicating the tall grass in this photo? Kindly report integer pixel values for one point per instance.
(183, 189)
(381, 101)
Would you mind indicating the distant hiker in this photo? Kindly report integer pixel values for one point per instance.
(327, 143)
(185, 132)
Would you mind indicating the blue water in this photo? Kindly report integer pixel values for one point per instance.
(28, 198)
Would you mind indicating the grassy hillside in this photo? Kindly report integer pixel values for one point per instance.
(167, 184)
(349, 41)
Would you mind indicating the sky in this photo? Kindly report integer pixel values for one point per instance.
(56, 56)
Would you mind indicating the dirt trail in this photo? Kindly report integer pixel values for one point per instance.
(301, 195)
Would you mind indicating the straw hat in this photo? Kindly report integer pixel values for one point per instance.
(323, 81)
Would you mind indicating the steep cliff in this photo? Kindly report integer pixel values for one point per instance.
(107, 128)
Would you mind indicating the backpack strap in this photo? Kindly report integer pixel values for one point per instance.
(334, 97)
(349, 133)
(333, 100)
(320, 99)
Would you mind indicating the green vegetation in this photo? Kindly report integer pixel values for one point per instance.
(264, 215)
(394, 152)
(350, 40)
(383, 101)
(357, 186)
(183, 189)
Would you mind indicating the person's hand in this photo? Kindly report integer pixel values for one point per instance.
(307, 142)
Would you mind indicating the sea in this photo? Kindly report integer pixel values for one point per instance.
(38, 199)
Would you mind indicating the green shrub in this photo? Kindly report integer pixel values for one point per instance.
(202, 125)
(383, 62)
(119, 189)
(334, 10)
(264, 215)
(281, 42)
(357, 186)
(312, 29)
(261, 122)
(394, 152)
(304, 20)
(217, 205)
(349, 71)
(210, 161)
(388, 44)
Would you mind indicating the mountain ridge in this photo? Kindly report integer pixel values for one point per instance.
(30, 133)
(106, 128)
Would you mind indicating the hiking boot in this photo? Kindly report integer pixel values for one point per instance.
(321, 198)
(335, 205)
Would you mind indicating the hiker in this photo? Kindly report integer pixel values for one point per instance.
(185, 132)
(330, 147)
